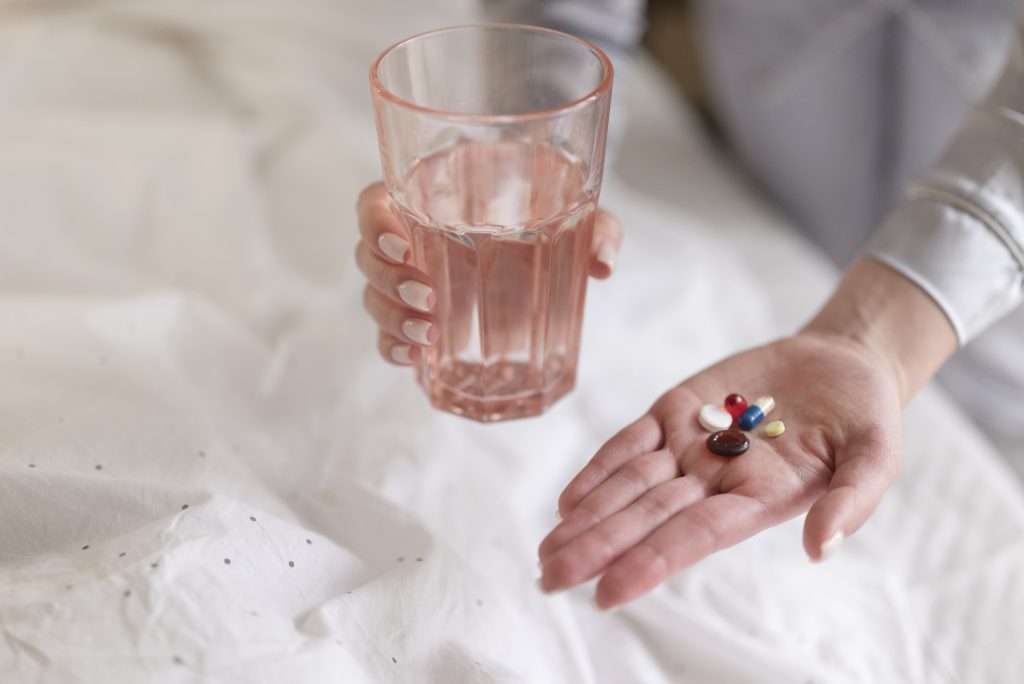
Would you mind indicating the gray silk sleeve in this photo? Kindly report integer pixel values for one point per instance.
(959, 231)
(616, 26)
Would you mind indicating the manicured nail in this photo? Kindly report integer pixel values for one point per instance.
(416, 329)
(400, 354)
(607, 255)
(830, 546)
(415, 294)
(394, 247)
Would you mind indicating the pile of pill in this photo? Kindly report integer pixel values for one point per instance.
(733, 413)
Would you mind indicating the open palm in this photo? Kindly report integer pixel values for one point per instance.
(655, 499)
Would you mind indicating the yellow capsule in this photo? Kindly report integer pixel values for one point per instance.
(774, 428)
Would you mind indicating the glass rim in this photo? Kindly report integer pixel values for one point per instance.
(600, 90)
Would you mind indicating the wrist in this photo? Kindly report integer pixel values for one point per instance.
(883, 313)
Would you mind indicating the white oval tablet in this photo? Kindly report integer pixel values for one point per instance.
(714, 418)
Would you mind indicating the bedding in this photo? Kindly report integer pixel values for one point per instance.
(207, 474)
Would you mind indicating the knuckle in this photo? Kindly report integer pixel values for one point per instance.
(635, 475)
(655, 507)
(584, 515)
(368, 298)
(599, 544)
(656, 563)
(707, 527)
(386, 276)
(641, 569)
(596, 471)
(566, 567)
(592, 474)
(368, 193)
(560, 537)
(362, 255)
(378, 211)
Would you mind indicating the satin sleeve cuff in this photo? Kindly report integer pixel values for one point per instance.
(954, 257)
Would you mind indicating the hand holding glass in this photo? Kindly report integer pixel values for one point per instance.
(492, 142)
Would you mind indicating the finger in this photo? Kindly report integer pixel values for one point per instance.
(623, 487)
(864, 471)
(637, 438)
(382, 230)
(396, 351)
(398, 321)
(402, 284)
(591, 552)
(606, 245)
(693, 533)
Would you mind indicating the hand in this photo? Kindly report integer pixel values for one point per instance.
(398, 293)
(655, 499)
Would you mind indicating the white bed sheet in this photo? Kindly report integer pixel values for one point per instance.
(188, 380)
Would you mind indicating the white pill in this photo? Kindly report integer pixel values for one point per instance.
(714, 418)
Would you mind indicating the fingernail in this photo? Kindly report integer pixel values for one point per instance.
(415, 294)
(417, 329)
(400, 354)
(607, 255)
(394, 247)
(830, 546)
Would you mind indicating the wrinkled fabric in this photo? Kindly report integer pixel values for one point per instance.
(207, 474)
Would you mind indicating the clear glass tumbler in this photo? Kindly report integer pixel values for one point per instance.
(492, 141)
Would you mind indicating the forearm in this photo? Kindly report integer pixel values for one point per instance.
(959, 231)
(890, 317)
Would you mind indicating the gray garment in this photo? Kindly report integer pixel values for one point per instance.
(843, 110)
(616, 26)
(857, 114)
(836, 105)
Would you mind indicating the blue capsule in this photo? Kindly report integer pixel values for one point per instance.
(756, 412)
(750, 418)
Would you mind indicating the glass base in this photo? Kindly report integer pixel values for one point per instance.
(523, 404)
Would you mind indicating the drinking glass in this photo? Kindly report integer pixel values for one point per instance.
(492, 143)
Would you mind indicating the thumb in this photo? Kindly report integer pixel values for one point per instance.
(604, 250)
(864, 470)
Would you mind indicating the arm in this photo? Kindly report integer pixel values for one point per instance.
(947, 263)
(959, 233)
(655, 500)
(889, 317)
